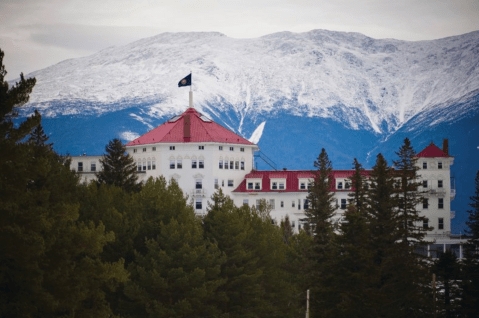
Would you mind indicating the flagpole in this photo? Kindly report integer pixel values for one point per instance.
(191, 90)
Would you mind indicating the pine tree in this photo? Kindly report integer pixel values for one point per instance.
(470, 281)
(10, 99)
(447, 271)
(359, 186)
(38, 138)
(408, 195)
(118, 167)
(319, 215)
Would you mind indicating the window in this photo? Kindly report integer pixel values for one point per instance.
(245, 202)
(440, 203)
(274, 186)
(281, 185)
(179, 164)
(257, 186)
(80, 166)
(282, 204)
(232, 148)
(425, 203)
(220, 164)
(153, 149)
(153, 164)
(271, 203)
(139, 165)
(134, 150)
(144, 164)
(242, 165)
(220, 147)
(149, 165)
(343, 204)
(237, 165)
(302, 186)
(201, 147)
(424, 183)
(306, 204)
(340, 185)
(93, 167)
(293, 224)
(230, 183)
(258, 203)
(232, 163)
(439, 183)
(242, 149)
(172, 164)
(144, 149)
(309, 185)
(250, 185)
(201, 164)
(347, 185)
(199, 184)
(424, 165)
(223, 183)
(199, 204)
(439, 165)
(172, 147)
(299, 204)
(226, 164)
(217, 186)
(292, 203)
(425, 224)
(440, 224)
(193, 163)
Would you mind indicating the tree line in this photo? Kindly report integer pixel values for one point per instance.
(119, 248)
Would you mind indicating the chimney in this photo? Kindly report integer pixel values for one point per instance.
(186, 127)
(445, 147)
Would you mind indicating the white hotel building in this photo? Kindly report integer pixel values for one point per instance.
(203, 156)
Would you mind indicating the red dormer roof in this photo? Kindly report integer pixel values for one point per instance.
(191, 126)
(432, 151)
(292, 180)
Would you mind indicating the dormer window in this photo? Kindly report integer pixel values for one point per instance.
(302, 186)
(340, 185)
(250, 185)
(274, 186)
(257, 186)
(281, 186)
(347, 185)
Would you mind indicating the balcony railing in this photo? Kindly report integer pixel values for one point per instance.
(198, 192)
(453, 194)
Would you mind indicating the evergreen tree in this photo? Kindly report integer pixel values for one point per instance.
(408, 195)
(470, 281)
(319, 215)
(10, 99)
(38, 138)
(447, 271)
(118, 167)
(400, 273)
(359, 186)
(286, 229)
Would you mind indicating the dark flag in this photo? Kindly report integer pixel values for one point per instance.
(185, 82)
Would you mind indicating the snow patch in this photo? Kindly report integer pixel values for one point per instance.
(258, 132)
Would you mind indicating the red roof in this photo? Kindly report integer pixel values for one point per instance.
(201, 129)
(432, 151)
(292, 180)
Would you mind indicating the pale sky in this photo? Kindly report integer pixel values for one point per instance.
(35, 34)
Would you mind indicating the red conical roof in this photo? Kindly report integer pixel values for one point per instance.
(201, 129)
(432, 151)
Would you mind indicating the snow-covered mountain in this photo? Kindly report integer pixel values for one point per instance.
(349, 77)
(293, 93)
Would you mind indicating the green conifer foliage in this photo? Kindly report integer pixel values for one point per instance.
(470, 281)
(10, 99)
(118, 168)
(408, 195)
(447, 271)
(359, 186)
